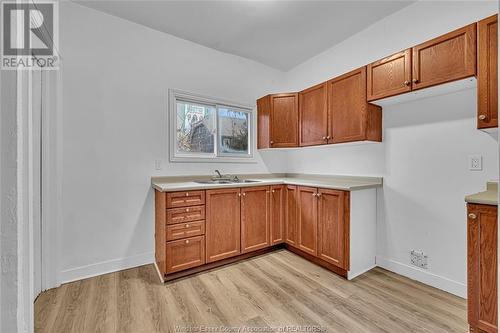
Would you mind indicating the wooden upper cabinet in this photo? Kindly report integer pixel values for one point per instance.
(351, 118)
(291, 210)
(277, 214)
(446, 58)
(284, 120)
(263, 122)
(278, 121)
(487, 73)
(333, 227)
(482, 270)
(255, 218)
(313, 116)
(389, 76)
(222, 227)
(307, 219)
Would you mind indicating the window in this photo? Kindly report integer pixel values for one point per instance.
(205, 129)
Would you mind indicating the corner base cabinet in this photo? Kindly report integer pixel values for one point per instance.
(203, 229)
(482, 270)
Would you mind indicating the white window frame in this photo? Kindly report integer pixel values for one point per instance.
(179, 95)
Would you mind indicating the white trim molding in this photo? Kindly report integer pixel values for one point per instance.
(431, 279)
(105, 267)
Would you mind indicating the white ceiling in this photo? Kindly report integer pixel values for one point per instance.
(280, 34)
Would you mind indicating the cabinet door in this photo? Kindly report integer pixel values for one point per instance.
(389, 76)
(347, 106)
(446, 58)
(277, 214)
(482, 242)
(313, 116)
(263, 121)
(185, 253)
(255, 210)
(284, 120)
(291, 210)
(308, 219)
(222, 224)
(487, 73)
(333, 227)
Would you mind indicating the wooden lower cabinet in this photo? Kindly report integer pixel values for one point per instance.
(255, 218)
(277, 222)
(185, 253)
(291, 208)
(235, 223)
(222, 224)
(333, 227)
(482, 270)
(307, 219)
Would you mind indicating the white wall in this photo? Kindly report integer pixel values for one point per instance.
(423, 157)
(115, 80)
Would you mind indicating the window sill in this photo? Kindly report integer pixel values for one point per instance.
(248, 160)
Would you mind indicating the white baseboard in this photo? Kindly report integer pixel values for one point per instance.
(415, 273)
(105, 267)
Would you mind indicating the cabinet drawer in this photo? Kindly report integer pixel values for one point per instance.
(185, 253)
(184, 230)
(185, 198)
(181, 215)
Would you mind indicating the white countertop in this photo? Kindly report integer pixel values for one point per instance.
(488, 197)
(345, 183)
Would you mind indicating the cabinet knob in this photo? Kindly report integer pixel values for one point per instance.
(244, 194)
(187, 241)
(187, 210)
(271, 142)
(328, 137)
(414, 80)
(187, 194)
(325, 138)
(482, 117)
(239, 194)
(187, 225)
(472, 216)
(407, 83)
(273, 191)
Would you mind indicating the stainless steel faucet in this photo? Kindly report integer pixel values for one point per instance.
(218, 173)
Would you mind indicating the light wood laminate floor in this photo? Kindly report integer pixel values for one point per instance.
(274, 290)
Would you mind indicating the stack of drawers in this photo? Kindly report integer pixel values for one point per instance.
(185, 230)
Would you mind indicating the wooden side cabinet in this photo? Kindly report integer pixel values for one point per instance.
(313, 116)
(277, 223)
(487, 72)
(446, 58)
(482, 270)
(351, 117)
(222, 224)
(255, 218)
(278, 121)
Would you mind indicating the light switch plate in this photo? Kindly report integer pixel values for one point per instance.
(475, 162)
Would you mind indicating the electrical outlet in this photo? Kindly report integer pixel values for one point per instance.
(475, 162)
(158, 164)
(419, 259)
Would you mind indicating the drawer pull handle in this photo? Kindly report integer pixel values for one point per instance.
(187, 241)
(187, 225)
(472, 216)
(187, 210)
(187, 194)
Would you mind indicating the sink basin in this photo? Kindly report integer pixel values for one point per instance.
(226, 181)
(213, 181)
